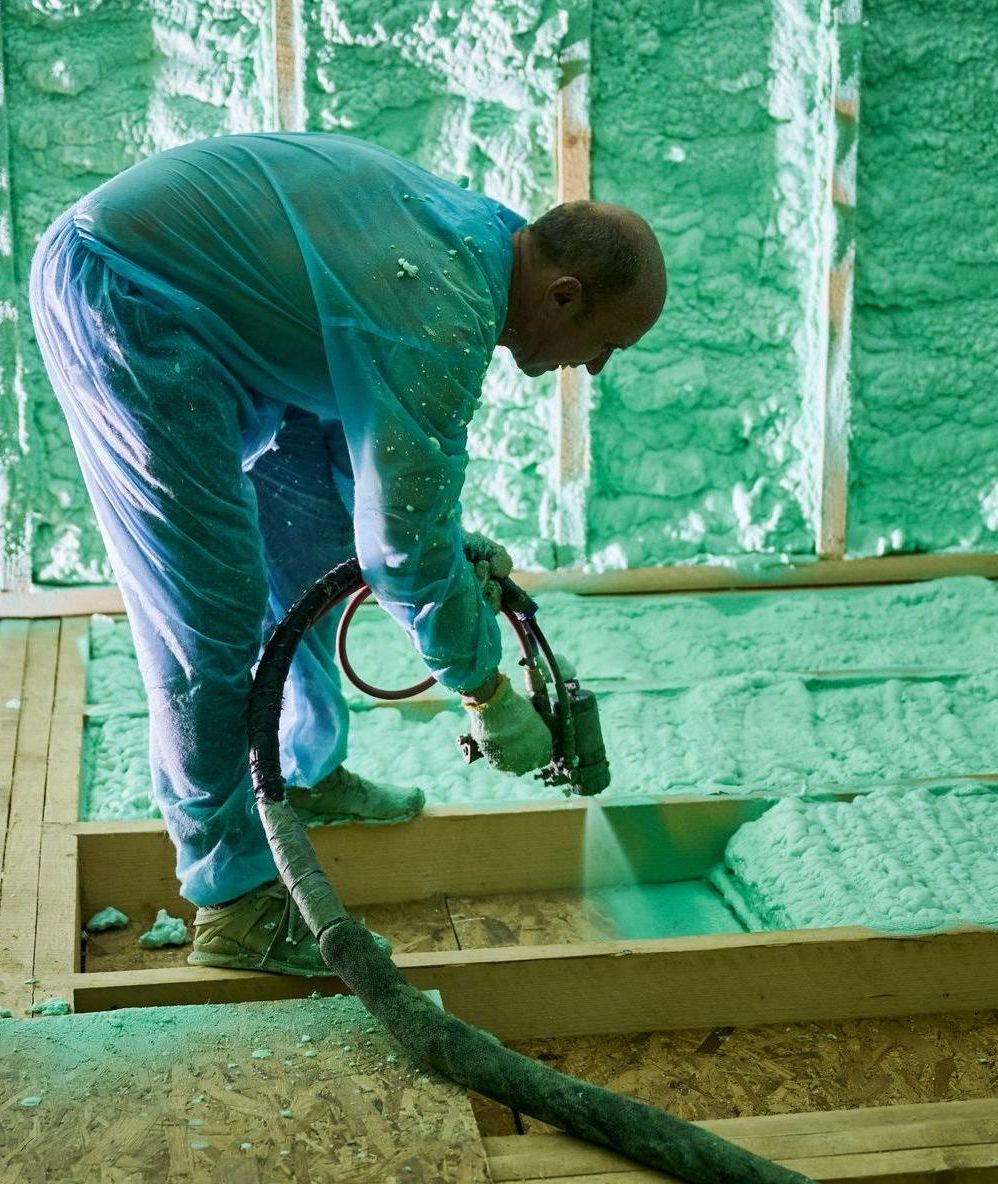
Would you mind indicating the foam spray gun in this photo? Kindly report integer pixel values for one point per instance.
(579, 756)
(578, 761)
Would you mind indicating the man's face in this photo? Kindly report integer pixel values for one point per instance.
(562, 333)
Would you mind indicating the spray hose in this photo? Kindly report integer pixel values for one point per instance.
(469, 1056)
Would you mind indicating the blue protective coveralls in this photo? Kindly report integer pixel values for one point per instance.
(268, 348)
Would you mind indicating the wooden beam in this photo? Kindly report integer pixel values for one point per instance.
(934, 1141)
(288, 64)
(61, 602)
(57, 924)
(800, 573)
(522, 993)
(887, 569)
(13, 655)
(19, 883)
(834, 485)
(62, 785)
(535, 847)
(574, 385)
(18, 466)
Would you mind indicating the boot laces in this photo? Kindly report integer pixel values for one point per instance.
(290, 916)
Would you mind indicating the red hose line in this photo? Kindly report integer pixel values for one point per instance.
(358, 599)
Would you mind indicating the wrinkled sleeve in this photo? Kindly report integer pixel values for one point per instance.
(405, 407)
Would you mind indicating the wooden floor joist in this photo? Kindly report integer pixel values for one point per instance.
(954, 1141)
(57, 922)
(22, 850)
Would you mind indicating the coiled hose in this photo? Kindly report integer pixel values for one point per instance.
(469, 1056)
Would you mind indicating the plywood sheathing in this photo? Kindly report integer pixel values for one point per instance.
(168, 1095)
(725, 1072)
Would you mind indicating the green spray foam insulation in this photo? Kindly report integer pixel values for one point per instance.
(924, 446)
(713, 120)
(720, 693)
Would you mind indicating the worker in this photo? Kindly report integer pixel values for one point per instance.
(268, 348)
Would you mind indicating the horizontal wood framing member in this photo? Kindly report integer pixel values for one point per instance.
(914, 1144)
(820, 573)
(534, 847)
(522, 992)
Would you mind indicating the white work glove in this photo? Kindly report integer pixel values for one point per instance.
(489, 561)
(511, 735)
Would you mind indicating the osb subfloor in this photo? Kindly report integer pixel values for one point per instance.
(697, 1073)
(703, 1074)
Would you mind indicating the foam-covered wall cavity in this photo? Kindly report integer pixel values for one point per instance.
(924, 451)
(712, 117)
(468, 92)
(706, 119)
(91, 89)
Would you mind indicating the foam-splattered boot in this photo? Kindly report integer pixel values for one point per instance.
(263, 930)
(342, 796)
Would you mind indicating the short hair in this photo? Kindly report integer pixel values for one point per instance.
(597, 248)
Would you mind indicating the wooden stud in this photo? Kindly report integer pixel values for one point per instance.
(288, 61)
(13, 654)
(61, 602)
(834, 445)
(572, 445)
(57, 925)
(536, 847)
(62, 786)
(539, 848)
(523, 993)
(887, 569)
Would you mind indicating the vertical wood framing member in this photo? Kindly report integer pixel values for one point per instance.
(57, 924)
(834, 489)
(19, 886)
(288, 63)
(573, 384)
(13, 657)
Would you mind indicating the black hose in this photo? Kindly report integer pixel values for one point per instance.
(469, 1056)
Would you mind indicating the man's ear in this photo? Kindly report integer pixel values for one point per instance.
(564, 291)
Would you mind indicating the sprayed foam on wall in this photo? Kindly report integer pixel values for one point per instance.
(709, 116)
(467, 92)
(924, 451)
(701, 433)
(91, 89)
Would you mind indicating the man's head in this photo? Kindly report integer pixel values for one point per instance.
(588, 278)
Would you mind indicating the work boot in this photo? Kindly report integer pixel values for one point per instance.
(342, 796)
(262, 930)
